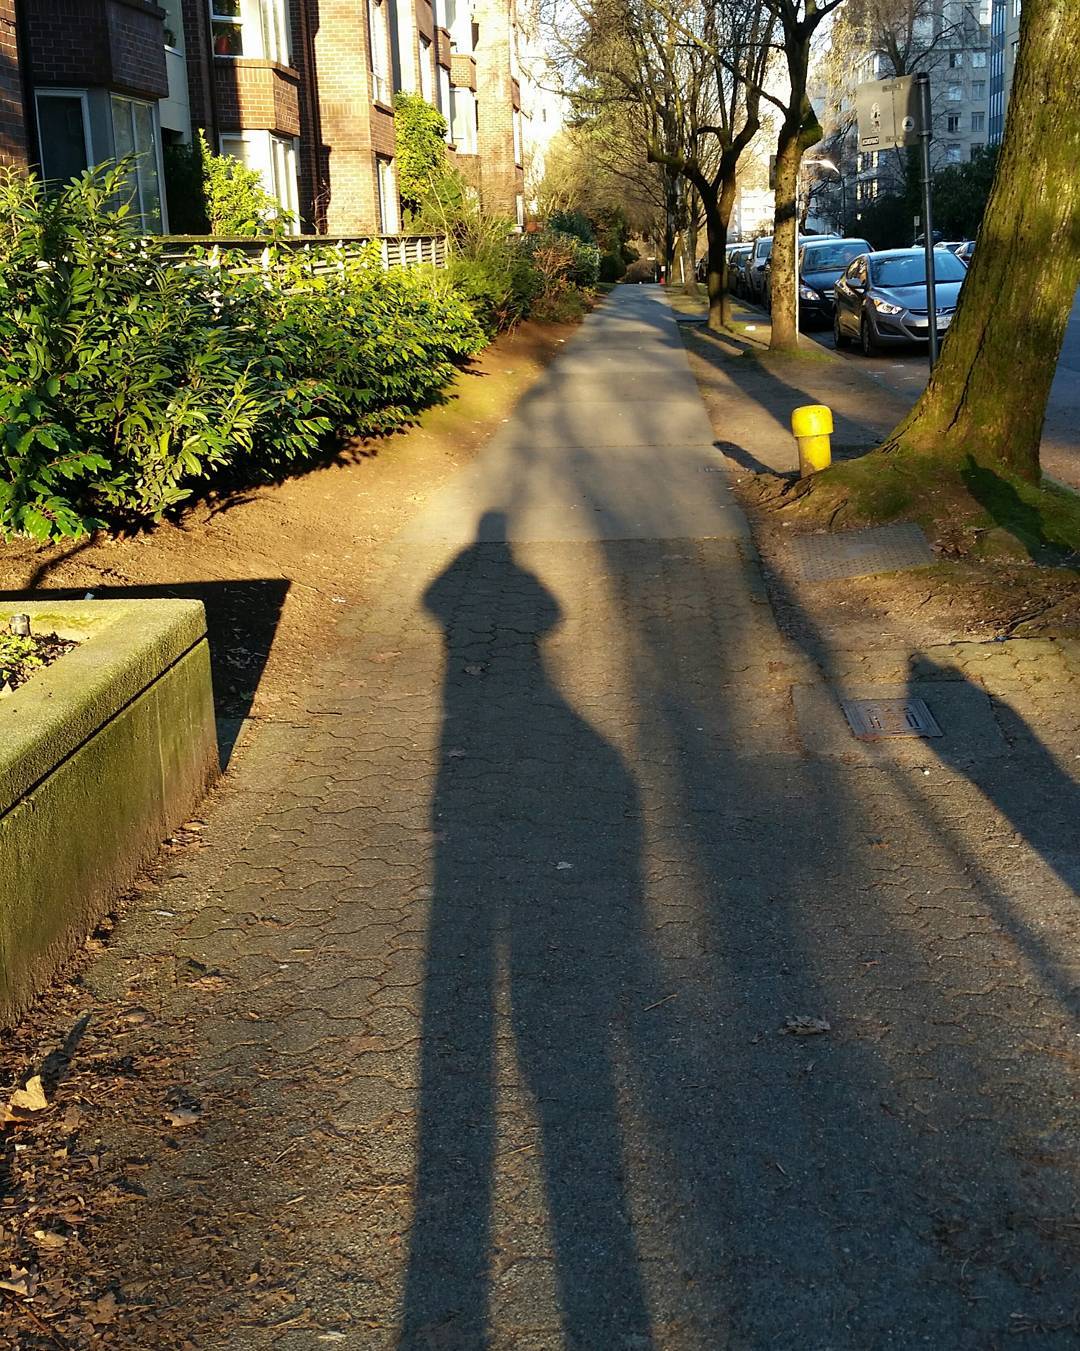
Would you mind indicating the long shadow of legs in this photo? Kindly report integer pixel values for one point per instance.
(537, 896)
(1041, 802)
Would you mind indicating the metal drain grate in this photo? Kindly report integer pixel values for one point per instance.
(873, 719)
(858, 553)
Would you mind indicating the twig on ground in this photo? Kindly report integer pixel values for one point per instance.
(38, 1322)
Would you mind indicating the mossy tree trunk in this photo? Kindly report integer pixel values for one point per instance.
(799, 130)
(988, 393)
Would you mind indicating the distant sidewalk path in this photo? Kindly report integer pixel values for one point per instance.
(498, 949)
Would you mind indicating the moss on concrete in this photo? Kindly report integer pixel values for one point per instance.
(101, 757)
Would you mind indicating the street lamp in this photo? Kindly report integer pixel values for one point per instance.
(828, 164)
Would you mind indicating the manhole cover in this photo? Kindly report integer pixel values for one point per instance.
(872, 719)
(857, 553)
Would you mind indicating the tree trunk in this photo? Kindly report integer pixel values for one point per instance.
(988, 393)
(782, 263)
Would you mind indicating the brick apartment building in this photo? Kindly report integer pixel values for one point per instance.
(301, 90)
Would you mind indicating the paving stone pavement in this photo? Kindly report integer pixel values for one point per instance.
(503, 935)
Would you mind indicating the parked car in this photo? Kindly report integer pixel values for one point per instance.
(805, 241)
(820, 264)
(754, 268)
(951, 244)
(736, 260)
(965, 251)
(881, 298)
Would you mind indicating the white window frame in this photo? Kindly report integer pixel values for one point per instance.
(266, 146)
(515, 117)
(978, 60)
(444, 103)
(84, 101)
(955, 93)
(387, 189)
(379, 42)
(155, 149)
(265, 29)
(425, 54)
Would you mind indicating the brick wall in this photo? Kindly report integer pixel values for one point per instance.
(116, 44)
(258, 95)
(500, 179)
(352, 127)
(13, 148)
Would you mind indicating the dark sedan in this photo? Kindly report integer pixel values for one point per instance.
(881, 298)
(820, 266)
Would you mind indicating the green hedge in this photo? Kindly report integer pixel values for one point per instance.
(127, 382)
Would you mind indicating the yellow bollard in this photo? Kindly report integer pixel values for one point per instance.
(812, 426)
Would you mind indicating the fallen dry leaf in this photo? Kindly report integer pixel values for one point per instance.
(103, 1310)
(31, 1098)
(20, 1281)
(182, 1116)
(805, 1027)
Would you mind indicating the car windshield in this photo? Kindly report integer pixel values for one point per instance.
(831, 257)
(909, 269)
(764, 249)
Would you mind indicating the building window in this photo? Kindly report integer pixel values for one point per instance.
(274, 159)
(174, 25)
(953, 154)
(956, 93)
(254, 28)
(976, 146)
(978, 89)
(519, 209)
(463, 119)
(380, 51)
(63, 118)
(956, 60)
(388, 196)
(978, 59)
(517, 135)
(1017, 5)
(978, 121)
(135, 133)
(446, 102)
(952, 122)
(227, 27)
(427, 88)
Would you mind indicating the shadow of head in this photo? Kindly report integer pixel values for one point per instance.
(485, 591)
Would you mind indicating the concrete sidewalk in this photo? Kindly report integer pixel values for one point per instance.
(504, 936)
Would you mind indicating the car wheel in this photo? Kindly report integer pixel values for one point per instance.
(867, 341)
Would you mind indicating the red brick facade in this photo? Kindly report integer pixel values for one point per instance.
(13, 147)
(326, 101)
(257, 94)
(88, 43)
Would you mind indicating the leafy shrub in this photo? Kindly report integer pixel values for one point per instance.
(641, 269)
(126, 382)
(18, 657)
(612, 267)
(574, 223)
(493, 271)
(185, 191)
(237, 204)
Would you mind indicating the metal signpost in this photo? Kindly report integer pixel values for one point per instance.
(893, 114)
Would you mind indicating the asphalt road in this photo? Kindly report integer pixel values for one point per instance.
(905, 372)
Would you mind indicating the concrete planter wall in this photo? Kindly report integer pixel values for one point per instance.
(102, 756)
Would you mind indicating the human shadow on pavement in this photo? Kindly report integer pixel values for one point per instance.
(1039, 800)
(536, 884)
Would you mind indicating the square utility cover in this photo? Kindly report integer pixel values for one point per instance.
(873, 719)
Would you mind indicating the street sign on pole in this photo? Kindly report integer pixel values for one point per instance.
(888, 113)
(925, 134)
